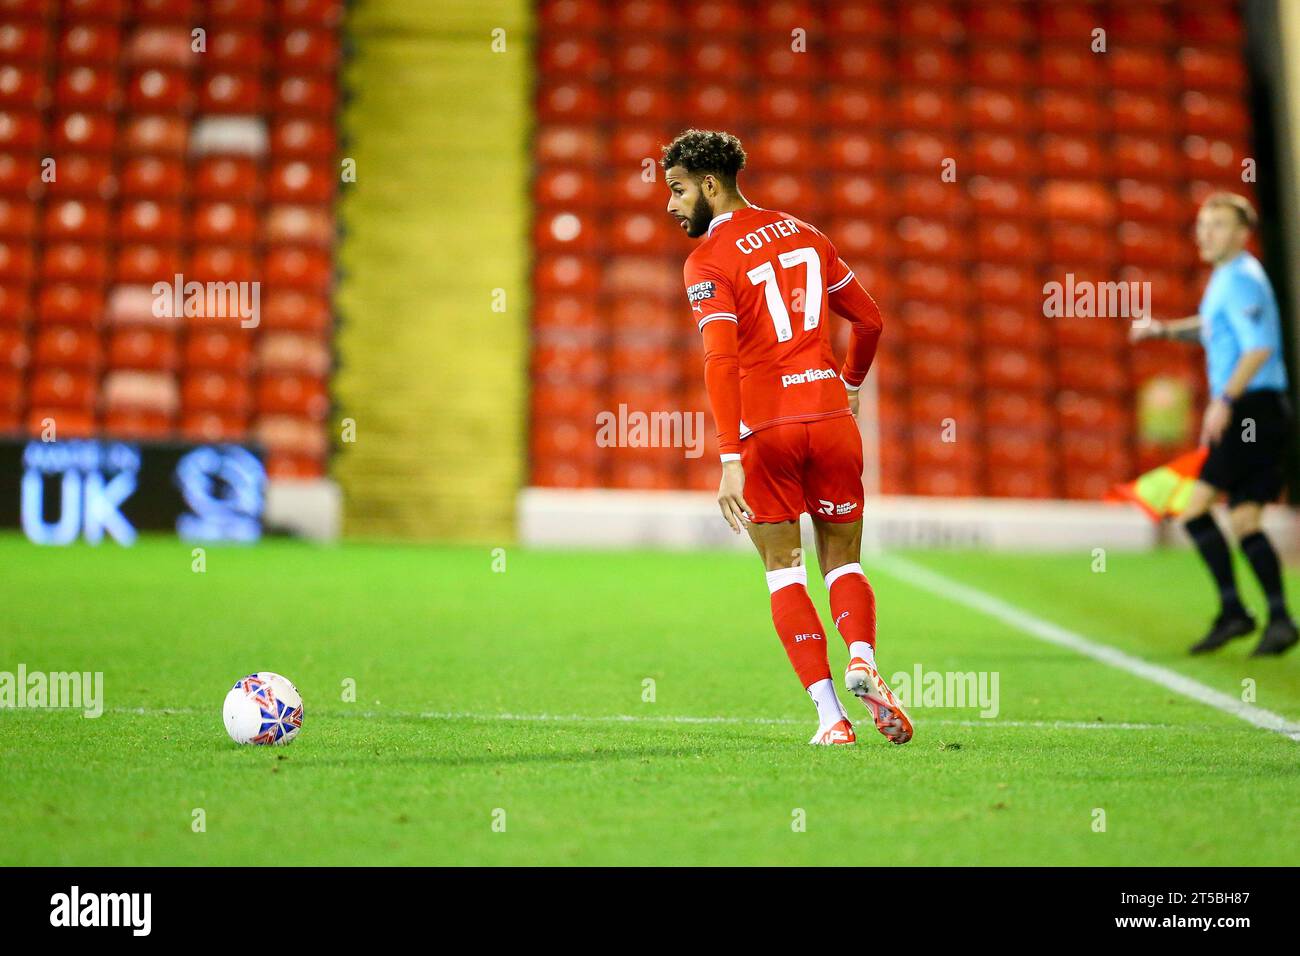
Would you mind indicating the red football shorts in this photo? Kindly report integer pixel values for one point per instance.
(805, 466)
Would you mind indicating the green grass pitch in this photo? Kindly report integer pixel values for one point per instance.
(427, 766)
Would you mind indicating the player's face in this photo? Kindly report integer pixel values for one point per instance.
(1220, 234)
(688, 204)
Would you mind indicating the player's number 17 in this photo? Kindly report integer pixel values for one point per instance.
(812, 303)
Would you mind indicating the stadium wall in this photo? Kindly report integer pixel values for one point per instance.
(434, 268)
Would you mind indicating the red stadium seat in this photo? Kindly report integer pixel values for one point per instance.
(299, 395)
(1008, 241)
(999, 65)
(143, 348)
(65, 303)
(642, 59)
(146, 264)
(1011, 284)
(1084, 370)
(19, 176)
(160, 178)
(1142, 68)
(223, 393)
(1015, 368)
(224, 222)
(23, 87)
(84, 132)
(221, 264)
(205, 426)
(297, 181)
(160, 135)
(231, 92)
(56, 388)
(219, 350)
(306, 269)
(87, 88)
(1207, 69)
(293, 353)
(1072, 66)
(304, 95)
(995, 109)
(17, 262)
(1028, 411)
(161, 46)
(298, 225)
(17, 219)
(993, 154)
(69, 348)
(305, 137)
(15, 304)
(1141, 22)
(1071, 111)
(23, 42)
(146, 221)
(235, 48)
(166, 11)
(74, 262)
(75, 220)
(313, 13)
(20, 130)
(160, 90)
(304, 50)
(1010, 326)
(300, 309)
(82, 176)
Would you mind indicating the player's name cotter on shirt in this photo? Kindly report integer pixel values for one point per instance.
(772, 274)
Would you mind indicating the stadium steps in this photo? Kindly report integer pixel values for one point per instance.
(433, 378)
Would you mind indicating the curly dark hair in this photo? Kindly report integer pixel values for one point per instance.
(703, 151)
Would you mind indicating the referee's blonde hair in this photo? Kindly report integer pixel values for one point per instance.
(1240, 204)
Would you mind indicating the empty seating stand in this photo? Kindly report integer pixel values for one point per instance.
(142, 140)
(1066, 162)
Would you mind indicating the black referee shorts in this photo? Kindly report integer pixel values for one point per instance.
(1252, 470)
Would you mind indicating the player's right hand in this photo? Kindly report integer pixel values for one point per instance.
(853, 403)
(731, 498)
(1152, 329)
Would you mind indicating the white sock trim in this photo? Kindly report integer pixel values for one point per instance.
(836, 573)
(829, 709)
(782, 577)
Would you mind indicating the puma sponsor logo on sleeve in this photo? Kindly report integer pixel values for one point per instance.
(804, 377)
(699, 292)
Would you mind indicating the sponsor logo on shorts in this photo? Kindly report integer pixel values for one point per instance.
(831, 508)
(809, 375)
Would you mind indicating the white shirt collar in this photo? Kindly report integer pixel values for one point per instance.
(723, 217)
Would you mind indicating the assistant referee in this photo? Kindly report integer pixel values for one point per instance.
(1247, 423)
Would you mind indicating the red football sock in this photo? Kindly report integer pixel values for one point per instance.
(853, 604)
(798, 624)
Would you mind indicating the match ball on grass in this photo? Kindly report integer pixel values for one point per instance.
(263, 708)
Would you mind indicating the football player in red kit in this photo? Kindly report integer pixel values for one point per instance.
(761, 286)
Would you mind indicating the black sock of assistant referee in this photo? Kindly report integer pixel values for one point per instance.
(1263, 559)
(1209, 541)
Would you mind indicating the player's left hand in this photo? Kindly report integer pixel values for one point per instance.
(1218, 415)
(731, 497)
(853, 403)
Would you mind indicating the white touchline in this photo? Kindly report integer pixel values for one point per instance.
(665, 719)
(945, 587)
